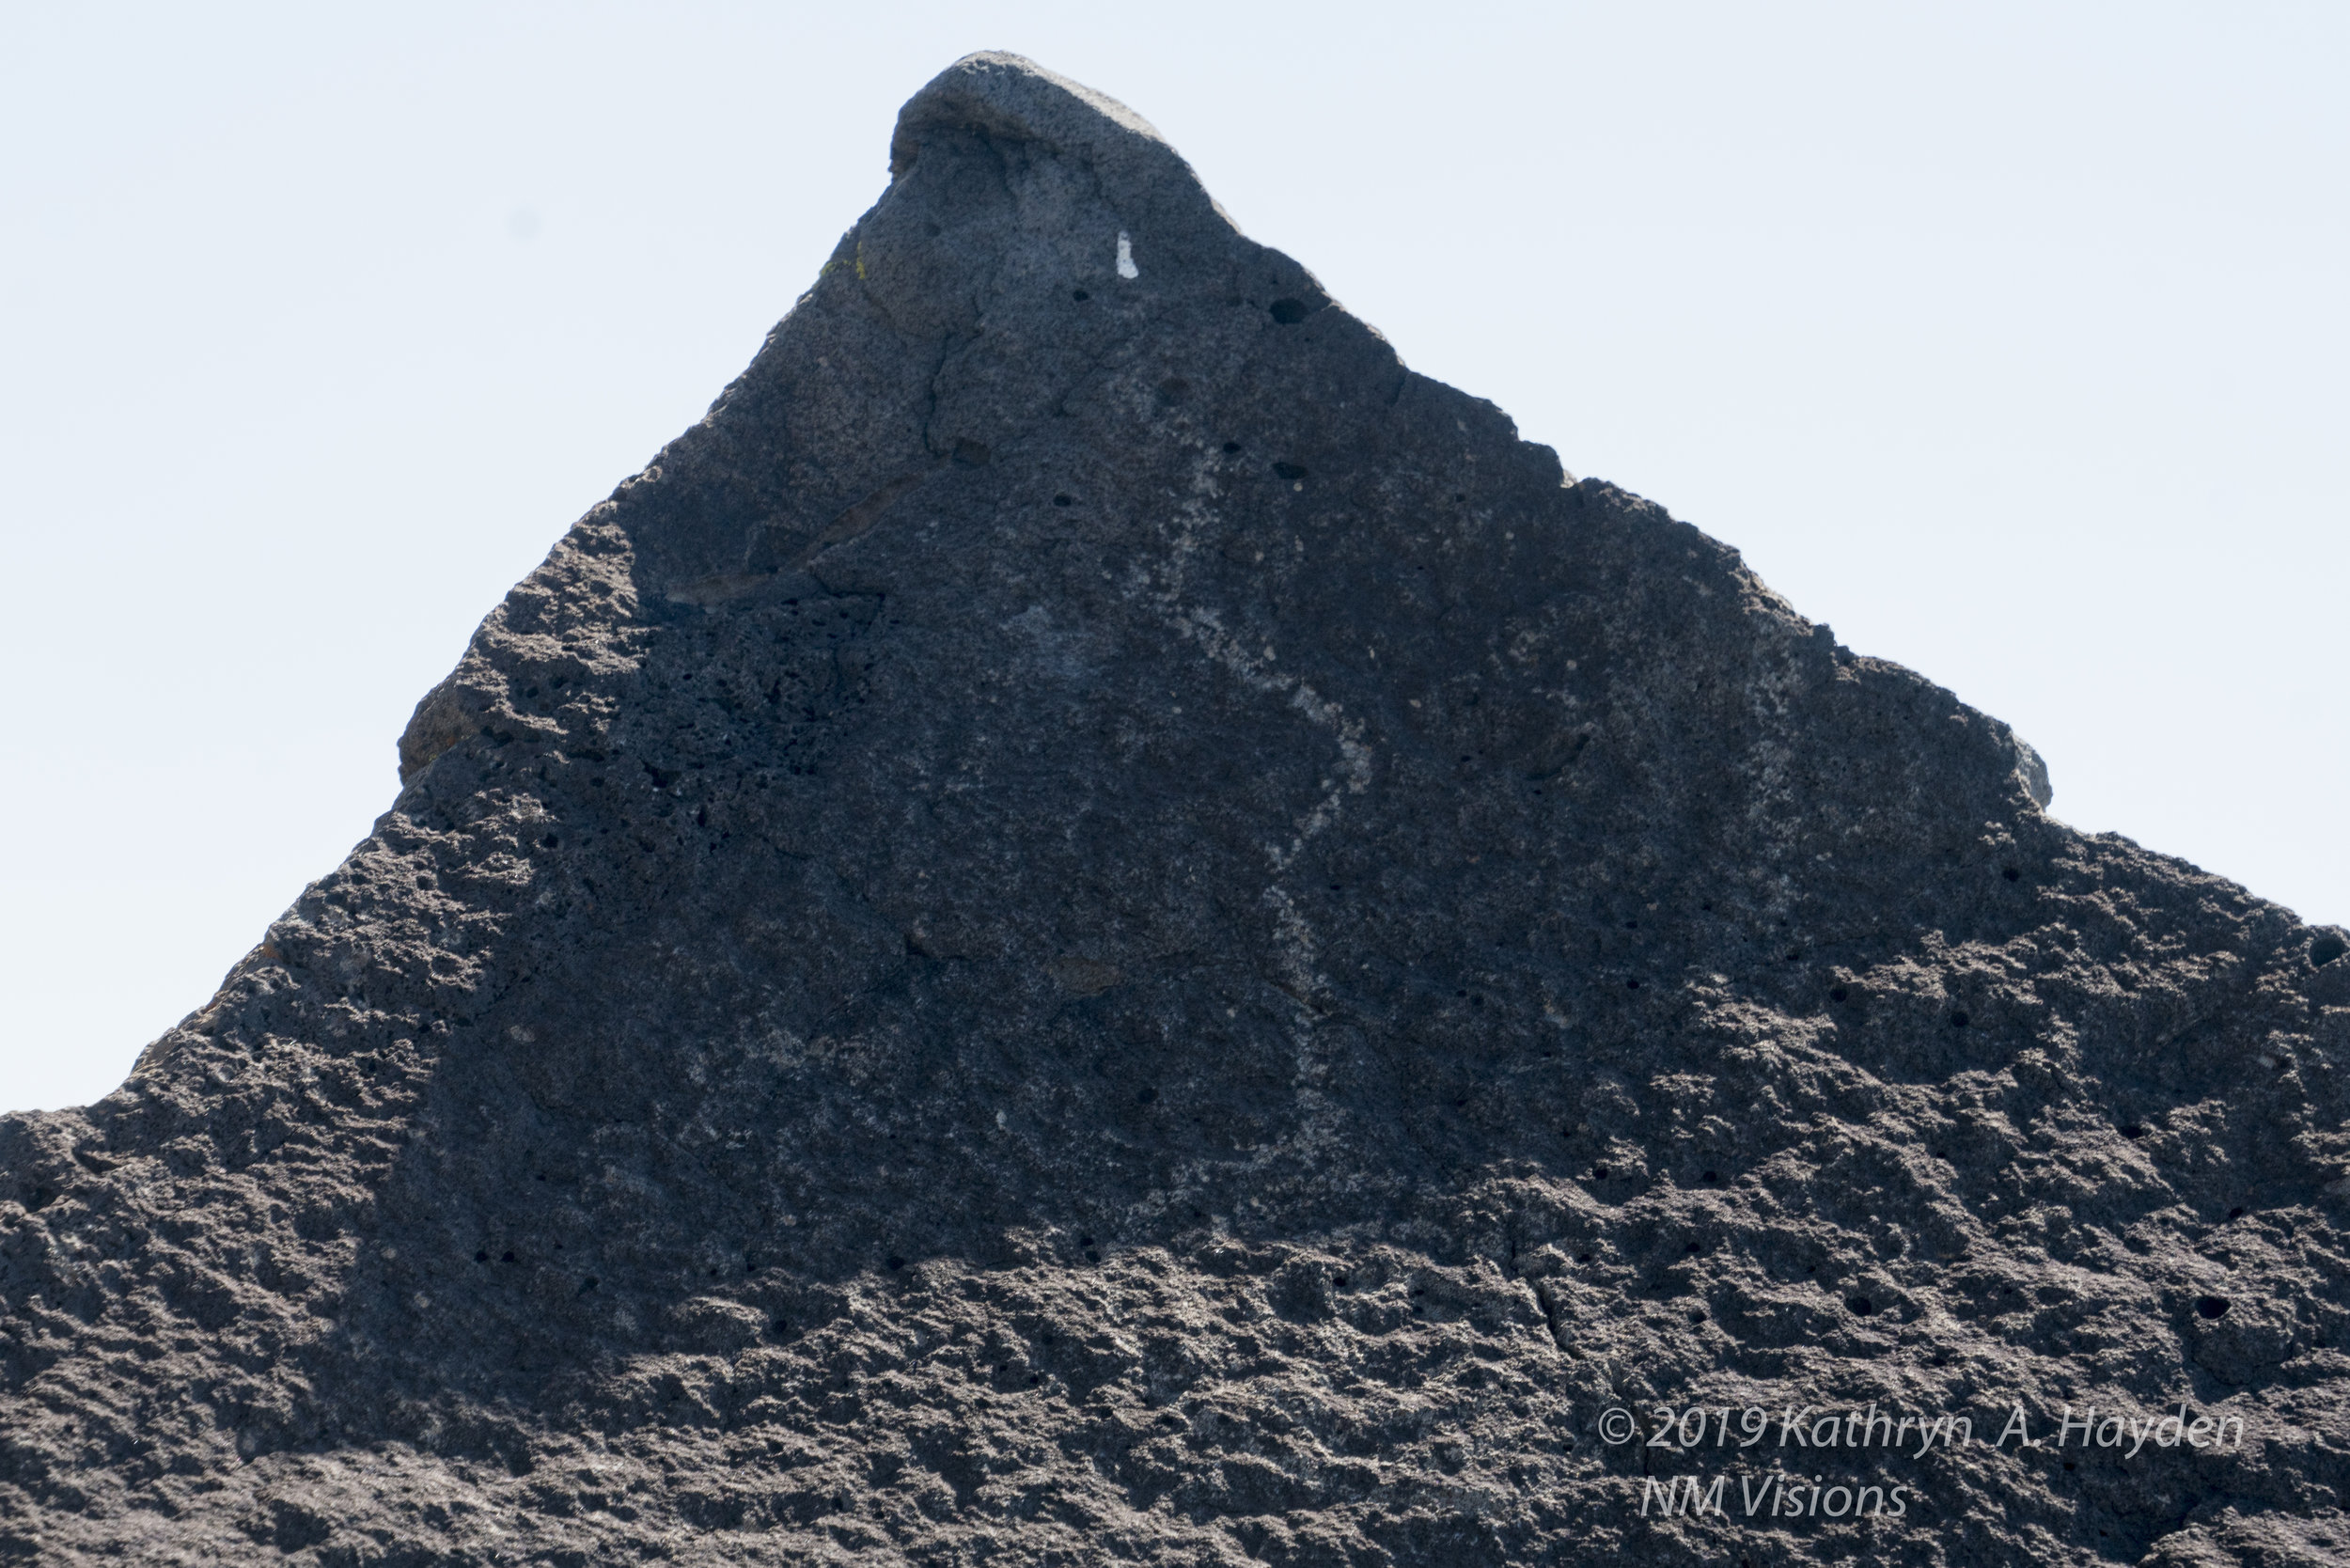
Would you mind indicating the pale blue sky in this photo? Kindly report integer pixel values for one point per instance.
(2010, 340)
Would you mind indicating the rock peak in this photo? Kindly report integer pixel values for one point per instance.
(1011, 99)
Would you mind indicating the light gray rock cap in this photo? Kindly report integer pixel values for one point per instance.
(1013, 101)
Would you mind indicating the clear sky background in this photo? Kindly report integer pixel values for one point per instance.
(2014, 340)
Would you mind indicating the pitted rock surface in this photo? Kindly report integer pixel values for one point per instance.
(1093, 924)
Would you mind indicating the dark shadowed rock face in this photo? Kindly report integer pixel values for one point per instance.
(1094, 924)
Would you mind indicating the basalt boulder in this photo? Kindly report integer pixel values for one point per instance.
(1094, 924)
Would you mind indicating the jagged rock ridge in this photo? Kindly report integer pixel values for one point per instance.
(1094, 924)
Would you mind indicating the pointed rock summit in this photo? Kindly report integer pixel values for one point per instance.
(1095, 925)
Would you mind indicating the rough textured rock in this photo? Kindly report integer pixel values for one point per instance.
(1094, 924)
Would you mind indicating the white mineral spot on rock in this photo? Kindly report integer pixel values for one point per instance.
(1126, 266)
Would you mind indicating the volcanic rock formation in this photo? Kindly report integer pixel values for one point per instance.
(1093, 924)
